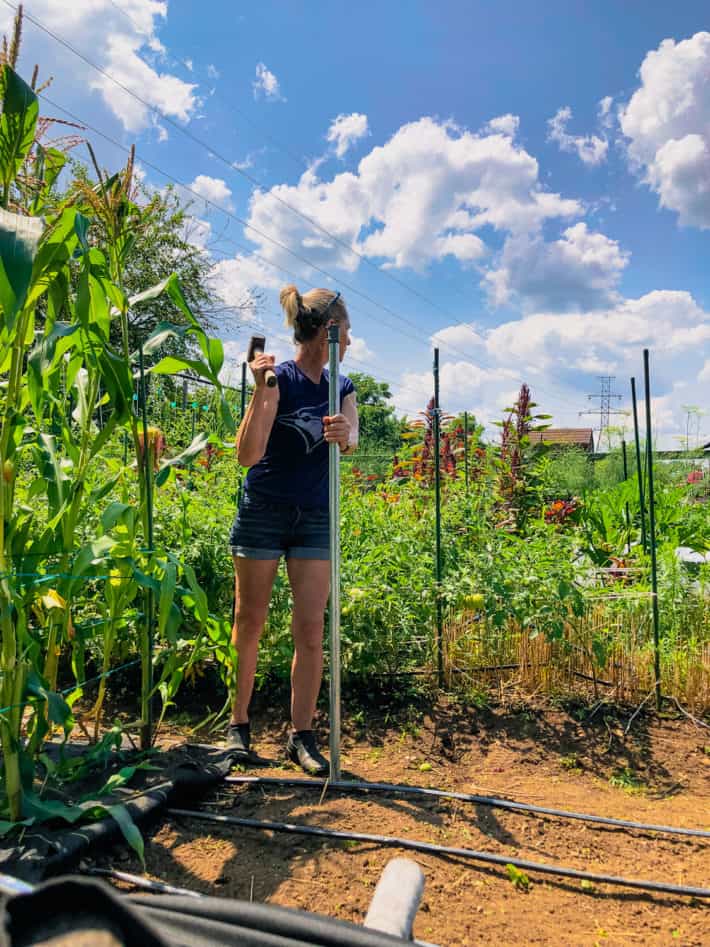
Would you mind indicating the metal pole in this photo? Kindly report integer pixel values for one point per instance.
(334, 509)
(184, 394)
(437, 492)
(639, 469)
(628, 512)
(147, 661)
(652, 531)
(243, 391)
(465, 448)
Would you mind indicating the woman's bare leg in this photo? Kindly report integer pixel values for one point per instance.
(254, 580)
(310, 585)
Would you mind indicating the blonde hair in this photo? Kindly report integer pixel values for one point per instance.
(306, 314)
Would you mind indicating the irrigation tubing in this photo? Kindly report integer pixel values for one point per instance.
(432, 849)
(492, 801)
(147, 884)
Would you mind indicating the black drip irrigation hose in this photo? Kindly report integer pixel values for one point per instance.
(348, 786)
(431, 849)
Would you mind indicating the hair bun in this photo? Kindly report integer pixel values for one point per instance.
(291, 303)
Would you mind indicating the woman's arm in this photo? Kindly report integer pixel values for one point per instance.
(254, 431)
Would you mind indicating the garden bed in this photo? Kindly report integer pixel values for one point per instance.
(659, 772)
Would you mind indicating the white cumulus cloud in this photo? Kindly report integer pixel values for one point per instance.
(590, 149)
(504, 125)
(580, 271)
(360, 350)
(345, 130)
(120, 38)
(266, 84)
(667, 126)
(418, 198)
(212, 189)
(606, 117)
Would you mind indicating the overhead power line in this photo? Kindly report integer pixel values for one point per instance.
(210, 150)
(417, 336)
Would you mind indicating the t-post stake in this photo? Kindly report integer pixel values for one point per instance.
(626, 505)
(652, 532)
(465, 448)
(147, 658)
(334, 509)
(437, 491)
(639, 468)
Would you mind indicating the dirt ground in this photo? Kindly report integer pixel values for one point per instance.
(659, 772)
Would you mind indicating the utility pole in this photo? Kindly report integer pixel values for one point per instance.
(605, 410)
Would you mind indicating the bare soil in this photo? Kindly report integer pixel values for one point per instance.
(659, 772)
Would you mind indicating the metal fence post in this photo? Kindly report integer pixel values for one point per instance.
(437, 491)
(652, 531)
(639, 468)
(334, 509)
(147, 658)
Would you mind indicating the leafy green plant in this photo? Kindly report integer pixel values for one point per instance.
(518, 878)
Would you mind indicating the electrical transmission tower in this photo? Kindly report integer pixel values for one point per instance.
(605, 410)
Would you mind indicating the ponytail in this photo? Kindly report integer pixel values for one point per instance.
(306, 315)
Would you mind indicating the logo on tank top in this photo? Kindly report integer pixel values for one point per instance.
(309, 424)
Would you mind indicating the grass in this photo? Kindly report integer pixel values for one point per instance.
(571, 763)
(626, 779)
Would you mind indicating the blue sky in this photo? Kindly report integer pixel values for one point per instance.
(527, 186)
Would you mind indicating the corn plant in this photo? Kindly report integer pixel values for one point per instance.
(68, 383)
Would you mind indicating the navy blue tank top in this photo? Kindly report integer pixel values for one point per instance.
(294, 468)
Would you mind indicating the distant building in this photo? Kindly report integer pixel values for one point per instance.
(563, 437)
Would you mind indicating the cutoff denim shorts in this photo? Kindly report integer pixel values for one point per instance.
(268, 529)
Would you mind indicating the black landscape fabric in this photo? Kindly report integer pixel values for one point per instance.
(182, 773)
(78, 911)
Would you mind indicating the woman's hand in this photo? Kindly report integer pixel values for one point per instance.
(261, 364)
(337, 430)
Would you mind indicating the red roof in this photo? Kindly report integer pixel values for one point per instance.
(572, 436)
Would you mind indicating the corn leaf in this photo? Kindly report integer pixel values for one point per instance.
(18, 121)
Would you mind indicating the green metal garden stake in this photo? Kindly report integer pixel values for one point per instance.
(628, 512)
(652, 531)
(437, 492)
(147, 662)
(465, 448)
(639, 468)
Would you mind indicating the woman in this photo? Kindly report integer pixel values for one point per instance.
(284, 440)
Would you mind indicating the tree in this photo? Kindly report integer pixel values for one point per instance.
(380, 430)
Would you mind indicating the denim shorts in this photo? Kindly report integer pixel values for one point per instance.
(269, 529)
